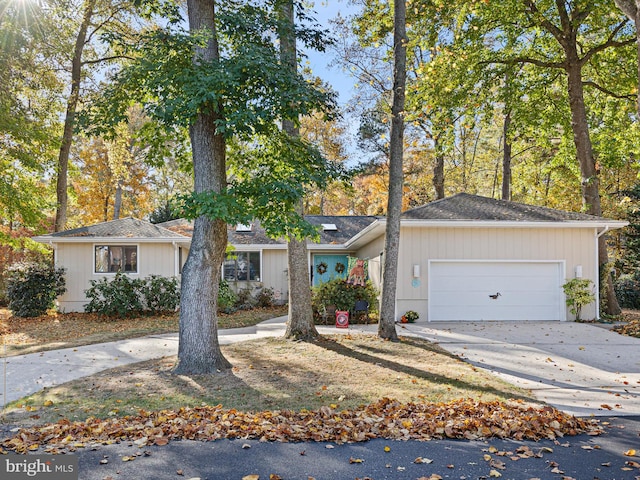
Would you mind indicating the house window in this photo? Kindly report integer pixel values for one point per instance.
(116, 258)
(242, 266)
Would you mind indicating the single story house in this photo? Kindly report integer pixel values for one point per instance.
(464, 257)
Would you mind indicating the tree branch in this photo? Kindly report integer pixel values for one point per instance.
(610, 42)
(607, 91)
(533, 61)
(107, 59)
(544, 22)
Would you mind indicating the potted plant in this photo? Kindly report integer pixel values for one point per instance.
(409, 317)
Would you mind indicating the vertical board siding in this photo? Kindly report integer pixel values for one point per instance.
(78, 259)
(419, 244)
(274, 266)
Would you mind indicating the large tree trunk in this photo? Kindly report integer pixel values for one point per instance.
(386, 326)
(506, 158)
(62, 199)
(199, 349)
(300, 320)
(588, 170)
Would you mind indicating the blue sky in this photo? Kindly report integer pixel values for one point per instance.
(341, 81)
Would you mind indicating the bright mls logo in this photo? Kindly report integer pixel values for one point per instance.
(39, 467)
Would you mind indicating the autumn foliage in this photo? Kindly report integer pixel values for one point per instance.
(387, 418)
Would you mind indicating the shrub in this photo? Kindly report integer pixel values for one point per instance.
(227, 298)
(342, 295)
(627, 288)
(32, 288)
(160, 294)
(266, 297)
(125, 297)
(120, 296)
(579, 292)
(245, 300)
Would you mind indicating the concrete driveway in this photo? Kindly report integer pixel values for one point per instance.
(580, 368)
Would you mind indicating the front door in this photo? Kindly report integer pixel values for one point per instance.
(328, 267)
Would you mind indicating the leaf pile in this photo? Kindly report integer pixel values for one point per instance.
(387, 418)
(630, 329)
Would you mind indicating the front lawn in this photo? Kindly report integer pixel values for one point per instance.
(49, 332)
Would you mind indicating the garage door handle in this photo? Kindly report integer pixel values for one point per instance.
(495, 296)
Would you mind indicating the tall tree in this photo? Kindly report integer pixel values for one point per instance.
(223, 79)
(386, 325)
(198, 348)
(568, 37)
(69, 119)
(300, 319)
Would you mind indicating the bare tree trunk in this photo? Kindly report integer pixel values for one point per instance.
(300, 320)
(386, 326)
(438, 170)
(199, 348)
(117, 201)
(62, 198)
(506, 158)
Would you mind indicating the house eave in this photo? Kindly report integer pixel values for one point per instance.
(111, 240)
(611, 224)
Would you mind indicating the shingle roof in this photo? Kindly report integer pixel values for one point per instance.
(346, 228)
(464, 206)
(122, 228)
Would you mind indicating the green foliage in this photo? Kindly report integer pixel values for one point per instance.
(411, 316)
(160, 294)
(165, 212)
(342, 295)
(579, 292)
(33, 287)
(126, 297)
(227, 298)
(627, 288)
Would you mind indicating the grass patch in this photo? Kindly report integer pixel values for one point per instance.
(49, 332)
(341, 371)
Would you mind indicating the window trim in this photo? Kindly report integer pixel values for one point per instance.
(111, 245)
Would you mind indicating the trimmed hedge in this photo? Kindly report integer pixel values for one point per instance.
(123, 296)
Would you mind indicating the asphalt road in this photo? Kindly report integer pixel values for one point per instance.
(581, 457)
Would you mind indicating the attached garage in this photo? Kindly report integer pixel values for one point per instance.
(496, 290)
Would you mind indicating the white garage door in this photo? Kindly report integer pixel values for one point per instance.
(490, 290)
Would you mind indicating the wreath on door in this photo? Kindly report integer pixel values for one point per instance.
(340, 267)
(322, 268)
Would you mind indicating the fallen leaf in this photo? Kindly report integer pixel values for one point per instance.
(630, 453)
(253, 476)
(495, 474)
(180, 472)
(422, 460)
(387, 448)
(355, 460)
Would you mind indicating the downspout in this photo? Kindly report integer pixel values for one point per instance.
(597, 237)
(176, 259)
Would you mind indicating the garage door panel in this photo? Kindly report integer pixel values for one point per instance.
(528, 291)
